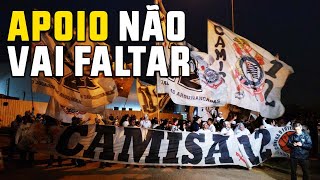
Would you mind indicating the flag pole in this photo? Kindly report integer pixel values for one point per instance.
(232, 16)
(32, 96)
(162, 10)
(158, 113)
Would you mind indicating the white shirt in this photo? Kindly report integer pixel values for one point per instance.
(125, 124)
(154, 126)
(219, 119)
(212, 128)
(238, 132)
(227, 132)
(203, 131)
(145, 123)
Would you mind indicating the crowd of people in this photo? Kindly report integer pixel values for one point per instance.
(231, 125)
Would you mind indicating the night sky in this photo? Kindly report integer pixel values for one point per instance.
(290, 28)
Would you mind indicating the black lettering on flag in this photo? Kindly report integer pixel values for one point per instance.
(191, 82)
(193, 148)
(74, 83)
(62, 146)
(147, 99)
(220, 42)
(218, 30)
(272, 72)
(174, 139)
(221, 54)
(265, 140)
(275, 68)
(140, 146)
(107, 133)
(244, 140)
(266, 94)
(223, 149)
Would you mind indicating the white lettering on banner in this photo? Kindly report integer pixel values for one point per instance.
(114, 144)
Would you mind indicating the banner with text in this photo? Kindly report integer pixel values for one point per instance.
(157, 147)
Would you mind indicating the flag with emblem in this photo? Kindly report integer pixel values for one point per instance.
(253, 75)
(204, 87)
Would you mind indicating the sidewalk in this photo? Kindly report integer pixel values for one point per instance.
(283, 165)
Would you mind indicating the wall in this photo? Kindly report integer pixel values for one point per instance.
(139, 114)
(8, 113)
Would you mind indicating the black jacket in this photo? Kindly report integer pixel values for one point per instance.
(300, 152)
(194, 127)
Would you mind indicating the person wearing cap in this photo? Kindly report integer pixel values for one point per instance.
(227, 130)
(241, 130)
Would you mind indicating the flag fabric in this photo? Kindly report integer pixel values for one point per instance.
(65, 114)
(254, 77)
(123, 83)
(81, 93)
(253, 115)
(204, 87)
(149, 102)
(205, 113)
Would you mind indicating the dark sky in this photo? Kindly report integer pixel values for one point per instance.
(290, 28)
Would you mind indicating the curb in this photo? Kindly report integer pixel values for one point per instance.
(287, 171)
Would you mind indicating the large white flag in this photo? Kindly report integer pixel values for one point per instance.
(205, 87)
(254, 76)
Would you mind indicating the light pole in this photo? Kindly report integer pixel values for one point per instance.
(232, 15)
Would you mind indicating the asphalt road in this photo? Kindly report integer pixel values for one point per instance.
(118, 171)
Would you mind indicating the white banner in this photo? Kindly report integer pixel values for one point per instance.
(156, 147)
(254, 76)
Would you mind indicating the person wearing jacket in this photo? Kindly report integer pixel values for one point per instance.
(300, 144)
